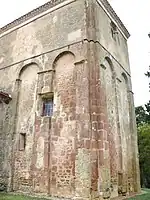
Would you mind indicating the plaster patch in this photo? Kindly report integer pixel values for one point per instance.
(83, 172)
(45, 89)
(27, 175)
(68, 128)
(24, 43)
(1, 59)
(74, 35)
(40, 152)
(54, 19)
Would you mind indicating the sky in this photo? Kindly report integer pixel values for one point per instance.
(135, 15)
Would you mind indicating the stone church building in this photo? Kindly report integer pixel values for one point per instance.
(67, 121)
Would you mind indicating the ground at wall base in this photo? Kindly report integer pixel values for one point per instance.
(3, 196)
(145, 195)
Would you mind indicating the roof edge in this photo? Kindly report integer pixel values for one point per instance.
(114, 16)
(30, 15)
(41, 9)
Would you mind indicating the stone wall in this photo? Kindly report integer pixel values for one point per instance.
(25, 120)
(115, 79)
(20, 45)
(115, 44)
(88, 148)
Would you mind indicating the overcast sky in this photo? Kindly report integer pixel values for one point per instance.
(135, 14)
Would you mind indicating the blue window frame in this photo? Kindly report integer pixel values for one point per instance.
(48, 107)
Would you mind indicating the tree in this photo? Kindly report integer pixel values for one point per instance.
(148, 75)
(144, 153)
(143, 124)
(143, 114)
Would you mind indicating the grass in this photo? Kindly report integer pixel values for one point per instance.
(17, 197)
(145, 196)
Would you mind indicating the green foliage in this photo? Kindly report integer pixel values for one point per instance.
(144, 153)
(147, 74)
(143, 114)
(140, 115)
(143, 123)
(145, 196)
(4, 196)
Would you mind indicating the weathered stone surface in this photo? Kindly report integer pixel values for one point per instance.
(87, 149)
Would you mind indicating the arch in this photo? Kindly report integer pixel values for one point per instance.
(61, 55)
(108, 80)
(27, 87)
(110, 63)
(125, 78)
(25, 112)
(25, 67)
(103, 66)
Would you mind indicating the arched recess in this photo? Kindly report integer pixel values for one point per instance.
(125, 79)
(63, 125)
(61, 55)
(108, 83)
(110, 63)
(64, 81)
(124, 121)
(26, 106)
(125, 103)
(124, 116)
(109, 70)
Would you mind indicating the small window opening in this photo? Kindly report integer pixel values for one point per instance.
(114, 30)
(22, 141)
(47, 107)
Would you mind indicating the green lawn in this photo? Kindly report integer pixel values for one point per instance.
(16, 197)
(145, 196)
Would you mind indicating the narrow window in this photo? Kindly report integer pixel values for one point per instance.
(120, 178)
(47, 107)
(114, 30)
(22, 141)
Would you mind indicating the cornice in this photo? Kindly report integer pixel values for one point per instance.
(27, 17)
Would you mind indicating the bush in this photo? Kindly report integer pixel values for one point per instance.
(144, 153)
